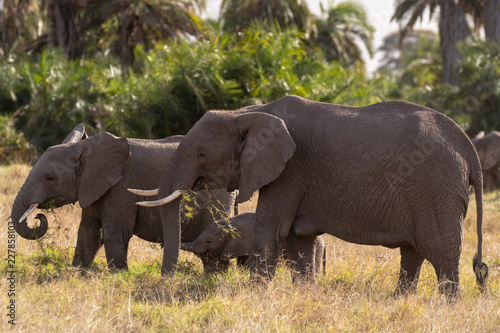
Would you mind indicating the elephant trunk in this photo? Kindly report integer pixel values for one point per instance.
(194, 246)
(20, 212)
(171, 188)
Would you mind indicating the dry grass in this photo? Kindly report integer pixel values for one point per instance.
(355, 294)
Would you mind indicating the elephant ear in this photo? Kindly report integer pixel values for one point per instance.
(77, 134)
(265, 148)
(101, 159)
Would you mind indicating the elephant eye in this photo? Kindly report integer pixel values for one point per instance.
(209, 242)
(50, 178)
(201, 156)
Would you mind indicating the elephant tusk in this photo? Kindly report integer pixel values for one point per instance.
(161, 202)
(8, 217)
(28, 212)
(144, 193)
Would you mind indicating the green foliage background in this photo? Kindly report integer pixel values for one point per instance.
(171, 86)
(43, 95)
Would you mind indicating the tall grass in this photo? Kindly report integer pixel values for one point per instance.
(355, 294)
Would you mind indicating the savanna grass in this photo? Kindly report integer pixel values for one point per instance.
(354, 296)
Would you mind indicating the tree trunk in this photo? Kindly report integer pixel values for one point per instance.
(125, 47)
(452, 29)
(492, 20)
(63, 26)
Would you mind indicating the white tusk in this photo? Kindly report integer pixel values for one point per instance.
(144, 193)
(161, 202)
(28, 212)
(8, 217)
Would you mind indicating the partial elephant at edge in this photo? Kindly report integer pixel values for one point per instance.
(488, 150)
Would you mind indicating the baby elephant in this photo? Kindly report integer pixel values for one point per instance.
(233, 239)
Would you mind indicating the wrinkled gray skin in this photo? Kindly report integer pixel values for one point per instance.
(233, 238)
(96, 171)
(488, 150)
(394, 174)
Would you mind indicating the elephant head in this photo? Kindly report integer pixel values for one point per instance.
(225, 239)
(80, 169)
(232, 150)
(210, 241)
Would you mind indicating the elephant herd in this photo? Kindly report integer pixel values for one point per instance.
(394, 174)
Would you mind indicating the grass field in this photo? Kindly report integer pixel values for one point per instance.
(354, 296)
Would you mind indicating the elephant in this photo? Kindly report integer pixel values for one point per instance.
(488, 150)
(229, 239)
(394, 174)
(96, 171)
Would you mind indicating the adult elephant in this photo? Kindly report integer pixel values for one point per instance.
(488, 150)
(394, 174)
(96, 172)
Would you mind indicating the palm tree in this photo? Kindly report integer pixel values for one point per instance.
(20, 22)
(144, 22)
(68, 23)
(340, 29)
(395, 60)
(64, 31)
(453, 27)
(492, 20)
(238, 14)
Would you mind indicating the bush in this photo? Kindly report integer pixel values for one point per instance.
(174, 84)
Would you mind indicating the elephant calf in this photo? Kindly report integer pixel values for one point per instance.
(96, 171)
(229, 239)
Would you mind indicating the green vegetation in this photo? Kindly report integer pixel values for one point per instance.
(174, 84)
(152, 68)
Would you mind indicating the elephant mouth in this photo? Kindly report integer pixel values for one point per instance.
(199, 184)
(49, 204)
(203, 183)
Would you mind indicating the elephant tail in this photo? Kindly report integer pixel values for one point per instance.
(479, 267)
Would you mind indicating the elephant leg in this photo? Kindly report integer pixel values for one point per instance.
(88, 243)
(448, 278)
(242, 261)
(445, 260)
(490, 181)
(411, 263)
(301, 255)
(496, 184)
(275, 213)
(116, 246)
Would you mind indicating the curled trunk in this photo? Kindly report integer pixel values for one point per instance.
(21, 206)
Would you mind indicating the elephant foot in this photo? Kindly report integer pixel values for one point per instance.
(405, 288)
(450, 290)
(115, 268)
